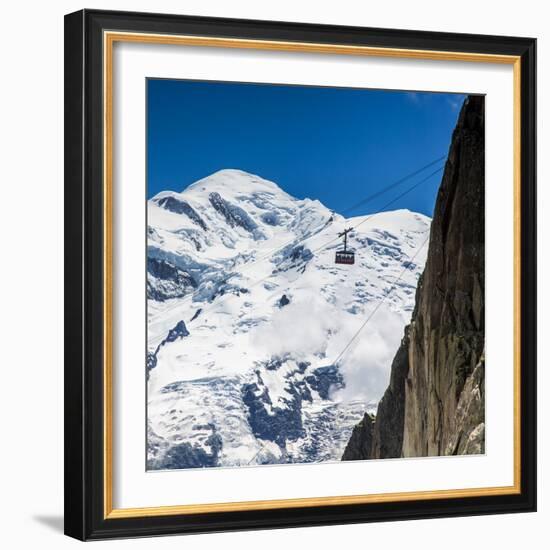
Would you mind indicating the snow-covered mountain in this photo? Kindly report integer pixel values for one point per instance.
(247, 313)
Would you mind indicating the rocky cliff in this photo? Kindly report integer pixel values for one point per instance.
(435, 401)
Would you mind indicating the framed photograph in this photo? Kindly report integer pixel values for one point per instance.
(300, 274)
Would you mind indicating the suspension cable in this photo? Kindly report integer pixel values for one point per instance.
(371, 315)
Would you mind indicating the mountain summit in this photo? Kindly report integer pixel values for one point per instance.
(247, 313)
(238, 179)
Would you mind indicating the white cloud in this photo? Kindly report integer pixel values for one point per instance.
(300, 328)
(366, 364)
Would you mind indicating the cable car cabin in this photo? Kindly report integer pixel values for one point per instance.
(344, 257)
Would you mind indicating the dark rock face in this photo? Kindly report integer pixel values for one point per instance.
(165, 281)
(325, 379)
(284, 301)
(234, 215)
(283, 421)
(359, 446)
(196, 314)
(280, 423)
(271, 218)
(292, 257)
(388, 428)
(186, 455)
(469, 434)
(179, 331)
(447, 334)
(435, 402)
(179, 206)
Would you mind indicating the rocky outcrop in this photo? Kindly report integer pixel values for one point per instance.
(235, 215)
(179, 206)
(166, 281)
(359, 446)
(469, 434)
(179, 331)
(434, 404)
(388, 428)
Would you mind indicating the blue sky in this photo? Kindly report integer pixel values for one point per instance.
(338, 145)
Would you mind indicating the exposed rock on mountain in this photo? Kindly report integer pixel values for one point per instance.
(469, 434)
(181, 207)
(435, 403)
(387, 441)
(165, 281)
(179, 331)
(360, 442)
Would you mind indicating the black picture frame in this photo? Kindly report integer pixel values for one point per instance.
(84, 282)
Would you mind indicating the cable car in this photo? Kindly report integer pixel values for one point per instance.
(345, 256)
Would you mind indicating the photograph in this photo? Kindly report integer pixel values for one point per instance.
(315, 281)
(300, 273)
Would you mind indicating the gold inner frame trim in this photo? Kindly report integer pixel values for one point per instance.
(109, 39)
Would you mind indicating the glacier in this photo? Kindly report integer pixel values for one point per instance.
(247, 313)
